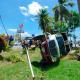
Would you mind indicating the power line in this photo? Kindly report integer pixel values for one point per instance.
(3, 25)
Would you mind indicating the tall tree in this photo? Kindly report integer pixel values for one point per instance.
(74, 22)
(61, 13)
(78, 1)
(43, 19)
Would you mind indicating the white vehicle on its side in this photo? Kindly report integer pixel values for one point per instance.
(17, 45)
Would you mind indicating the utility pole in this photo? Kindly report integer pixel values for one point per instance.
(78, 2)
(3, 25)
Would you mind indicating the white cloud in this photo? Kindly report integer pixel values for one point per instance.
(13, 30)
(46, 7)
(23, 10)
(32, 9)
(25, 34)
(32, 19)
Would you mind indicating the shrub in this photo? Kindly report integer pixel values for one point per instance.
(24, 51)
(7, 48)
(3, 44)
(15, 57)
(11, 43)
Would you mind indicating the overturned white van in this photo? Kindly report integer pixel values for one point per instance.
(53, 46)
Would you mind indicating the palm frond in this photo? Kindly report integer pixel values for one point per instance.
(56, 7)
(71, 4)
(62, 1)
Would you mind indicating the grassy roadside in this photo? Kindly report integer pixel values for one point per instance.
(66, 70)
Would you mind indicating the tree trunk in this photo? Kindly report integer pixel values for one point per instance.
(78, 1)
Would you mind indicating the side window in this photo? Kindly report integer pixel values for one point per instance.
(61, 44)
(52, 48)
(60, 41)
(52, 44)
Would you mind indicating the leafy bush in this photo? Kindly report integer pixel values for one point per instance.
(15, 57)
(7, 48)
(11, 43)
(24, 51)
(3, 44)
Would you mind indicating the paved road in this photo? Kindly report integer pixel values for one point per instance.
(17, 47)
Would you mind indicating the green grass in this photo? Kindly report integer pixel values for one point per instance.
(16, 71)
(65, 70)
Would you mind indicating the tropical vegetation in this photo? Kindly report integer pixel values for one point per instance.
(63, 19)
(14, 66)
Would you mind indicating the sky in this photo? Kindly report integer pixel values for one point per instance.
(16, 12)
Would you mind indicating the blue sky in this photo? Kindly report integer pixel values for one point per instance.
(15, 12)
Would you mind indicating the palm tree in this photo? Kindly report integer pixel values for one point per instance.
(43, 19)
(78, 1)
(74, 23)
(61, 12)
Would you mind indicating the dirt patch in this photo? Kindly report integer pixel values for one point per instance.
(68, 57)
(4, 63)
